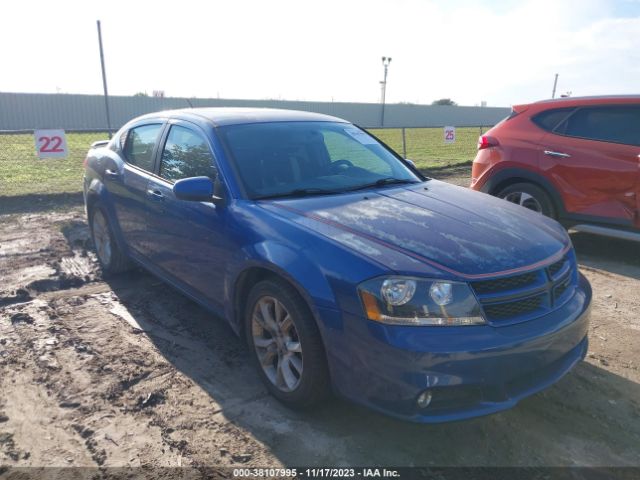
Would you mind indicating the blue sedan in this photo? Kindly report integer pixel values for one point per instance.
(344, 268)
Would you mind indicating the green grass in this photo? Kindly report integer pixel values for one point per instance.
(22, 173)
(426, 147)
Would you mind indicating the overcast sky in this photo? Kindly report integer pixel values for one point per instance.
(502, 51)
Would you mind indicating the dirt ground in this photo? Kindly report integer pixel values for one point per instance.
(128, 372)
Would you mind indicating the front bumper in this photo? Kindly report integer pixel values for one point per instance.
(471, 371)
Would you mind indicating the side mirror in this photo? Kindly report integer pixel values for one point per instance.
(195, 189)
(410, 162)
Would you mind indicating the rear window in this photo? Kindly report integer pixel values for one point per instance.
(138, 147)
(550, 119)
(608, 124)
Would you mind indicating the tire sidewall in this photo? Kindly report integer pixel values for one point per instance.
(105, 267)
(299, 397)
(546, 204)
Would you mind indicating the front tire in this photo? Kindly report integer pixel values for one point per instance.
(529, 196)
(286, 344)
(110, 257)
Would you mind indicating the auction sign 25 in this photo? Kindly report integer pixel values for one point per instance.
(449, 134)
(51, 143)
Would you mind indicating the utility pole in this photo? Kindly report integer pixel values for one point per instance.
(104, 80)
(555, 84)
(385, 62)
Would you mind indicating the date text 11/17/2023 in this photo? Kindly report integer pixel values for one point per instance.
(315, 472)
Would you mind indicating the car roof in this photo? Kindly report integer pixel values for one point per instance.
(571, 102)
(221, 116)
(592, 100)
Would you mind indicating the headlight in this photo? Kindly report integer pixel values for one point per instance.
(398, 291)
(415, 301)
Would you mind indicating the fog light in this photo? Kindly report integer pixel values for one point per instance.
(424, 399)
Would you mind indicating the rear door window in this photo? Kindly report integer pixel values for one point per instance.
(139, 145)
(607, 124)
(549, 119)
(185, 154)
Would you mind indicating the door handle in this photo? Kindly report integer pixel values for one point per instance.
(551, 153)
(155, 195)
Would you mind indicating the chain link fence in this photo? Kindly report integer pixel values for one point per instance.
(25, 176)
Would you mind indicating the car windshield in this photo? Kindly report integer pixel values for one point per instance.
(310, 158)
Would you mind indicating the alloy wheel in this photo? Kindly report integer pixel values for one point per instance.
(277, 344)
(101, 237)
(524, 199)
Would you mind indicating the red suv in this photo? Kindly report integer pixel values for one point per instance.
(573, 159)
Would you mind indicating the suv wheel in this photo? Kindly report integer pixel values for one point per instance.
(286, 344)
(111, 259)
(529, 196)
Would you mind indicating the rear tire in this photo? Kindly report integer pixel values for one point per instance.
(286, 345)
(529, 196)
(110, 257)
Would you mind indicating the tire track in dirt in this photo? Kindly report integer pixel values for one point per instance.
(64, 345)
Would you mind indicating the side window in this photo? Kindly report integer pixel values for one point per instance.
(185, 154)
(138, 148)
(341, 147)
(608, 124)
(549, 119)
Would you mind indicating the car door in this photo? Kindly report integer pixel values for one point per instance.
(592, 156)
(127, 182)
(188, 241)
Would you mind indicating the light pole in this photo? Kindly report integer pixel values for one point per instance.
(555, 84)
(385, 62)
(104, 80)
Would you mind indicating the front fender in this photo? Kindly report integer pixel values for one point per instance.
(306, 276)
(299, 270)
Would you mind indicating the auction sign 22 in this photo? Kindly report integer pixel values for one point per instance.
(51, 143)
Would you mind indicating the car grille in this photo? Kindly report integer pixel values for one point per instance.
(556, 267)
(521, 297)
(562, 288)
(506, 283)
(499, 311)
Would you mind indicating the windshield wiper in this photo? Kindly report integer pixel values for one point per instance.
(382, 182)
(299, 192)
(306, 192)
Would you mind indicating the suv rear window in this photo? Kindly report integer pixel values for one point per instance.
(608, 124)
(549, 119)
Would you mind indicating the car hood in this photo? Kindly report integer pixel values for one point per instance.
(452, 229)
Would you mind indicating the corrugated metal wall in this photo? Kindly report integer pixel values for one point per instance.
(25, 111)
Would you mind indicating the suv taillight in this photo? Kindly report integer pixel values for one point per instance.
(485, 141)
